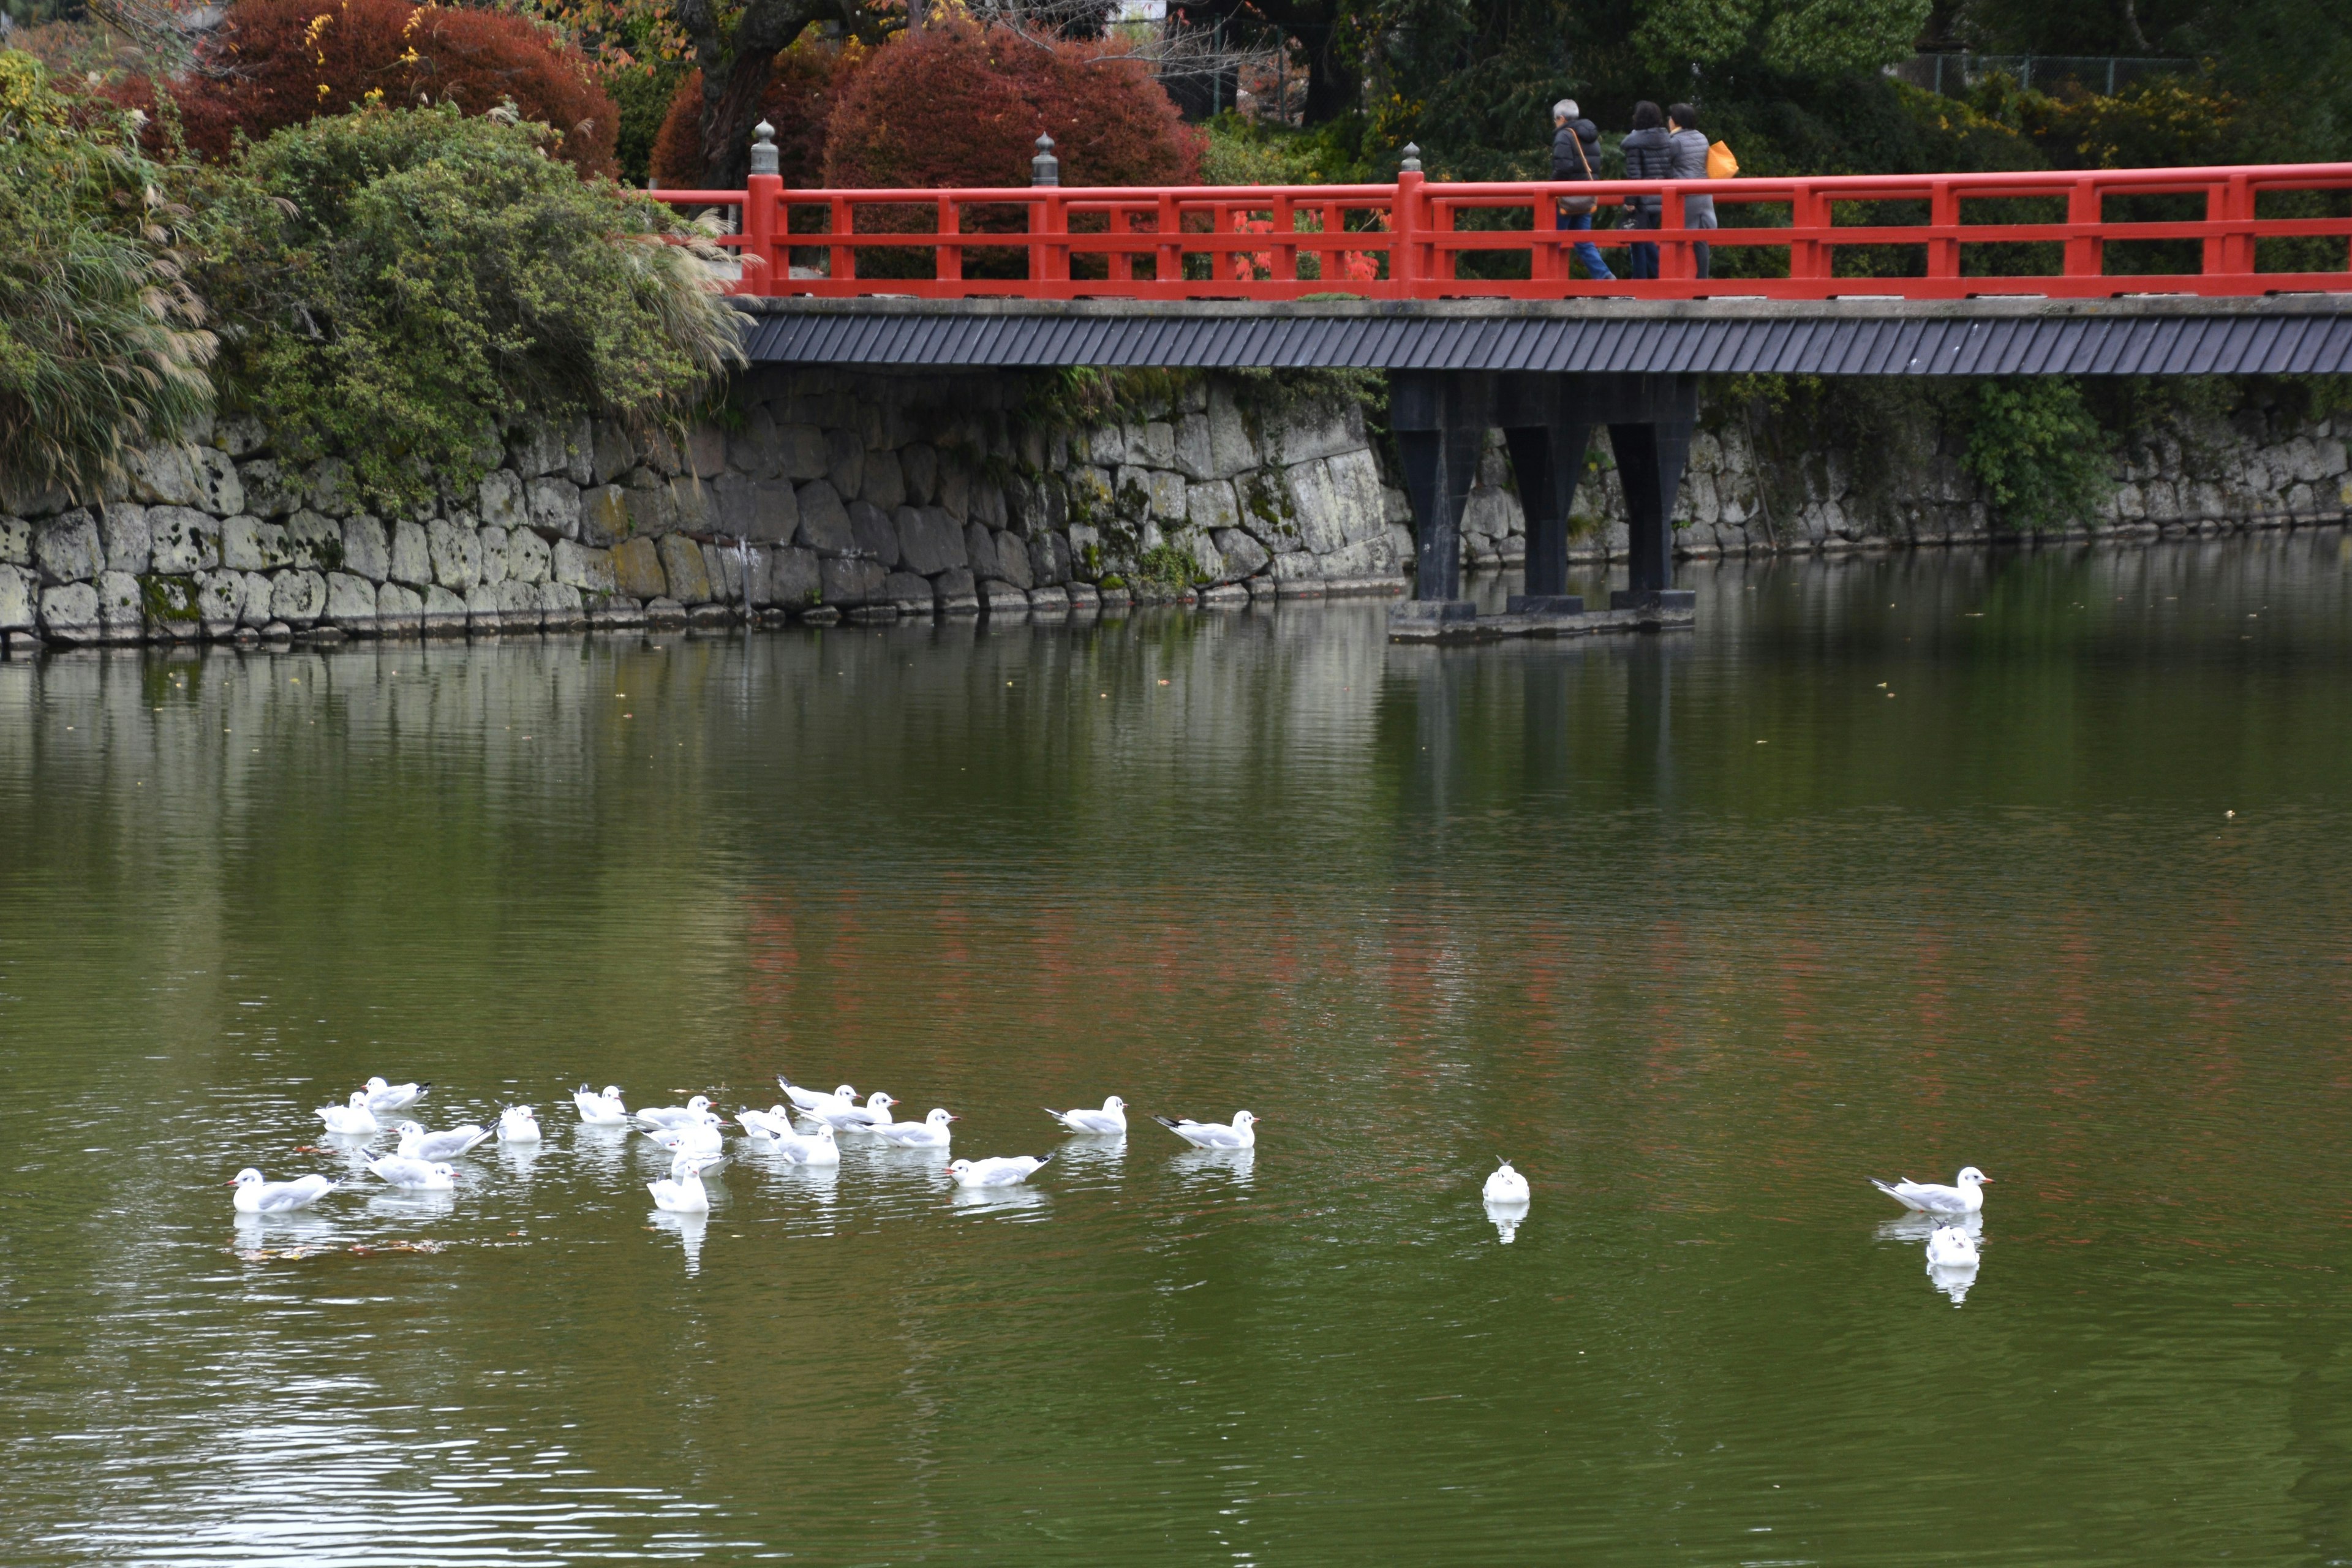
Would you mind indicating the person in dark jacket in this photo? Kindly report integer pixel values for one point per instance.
(1575, 151)
(1689, 144)
(1649, 155)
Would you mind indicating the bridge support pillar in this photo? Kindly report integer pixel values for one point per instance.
(1440, 418)
(1546, 429)
(1651, 447)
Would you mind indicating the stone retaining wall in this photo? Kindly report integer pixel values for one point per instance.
(827, 495)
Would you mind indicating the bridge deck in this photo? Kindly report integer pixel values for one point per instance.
(2300, 334)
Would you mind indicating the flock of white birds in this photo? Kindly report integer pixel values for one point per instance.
(805, 1128)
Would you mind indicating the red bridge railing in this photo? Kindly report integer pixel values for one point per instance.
(2252, 230)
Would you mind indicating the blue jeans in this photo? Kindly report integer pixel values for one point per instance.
(1642, 261)
(1586, 251)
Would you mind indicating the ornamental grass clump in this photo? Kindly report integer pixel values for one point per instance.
(101, 342)
(396, 285)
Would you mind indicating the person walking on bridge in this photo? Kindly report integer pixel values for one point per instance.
(1649, 155)
(1688, 144)
(1575, 142)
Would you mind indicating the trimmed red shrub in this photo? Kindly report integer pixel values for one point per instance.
(960, 104)
(276, 63)
(802, 87)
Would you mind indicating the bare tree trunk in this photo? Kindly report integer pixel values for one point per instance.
(735, 67)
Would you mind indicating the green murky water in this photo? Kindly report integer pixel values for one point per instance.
(1889, 868)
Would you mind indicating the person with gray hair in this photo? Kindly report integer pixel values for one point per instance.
(1575, 142)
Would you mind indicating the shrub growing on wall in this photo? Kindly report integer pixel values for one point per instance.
(802, 87)
(437, 275)
(2040, 455)
(101, 345)
(276, 63)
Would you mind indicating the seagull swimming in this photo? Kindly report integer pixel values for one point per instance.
(604, 1110)
(675, 1115)
(810, 1099)
(1241, 1134)
(1951, 1248)
(258, 1195)
(695, 1140)
(352, 1121)
(415, 1175)
(998, 1173)
(384, 1098)
(1505, 1185)
(518, 1124)
(766, 1125)
(816, 1148)
(1929, 1197)
(418, 1144)
(682, 1192)
(844, 1117)
(930, 1133)
(1110, 1122)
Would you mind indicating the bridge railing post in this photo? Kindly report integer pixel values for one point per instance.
(1404, 227)
(1674, 256)
(766, 266)
(1944, 230)
(2085, 256)
(1809, 210)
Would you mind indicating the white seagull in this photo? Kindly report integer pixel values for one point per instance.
(385, 1097)
(682, 1192)
(816, 1148)
(930, 1133)
(418, 1144)
(604, 1110)
(999, 1173)
(810, 1099)
(766, 1125)
(1505, 1185)
(1929, 1197)
(518, 1124)
(1110, 1122)
(416, 1175)
(695, 1140)
(352, 1121)
(258, 1195)
(844, 1117)
(676, 1115)
(1241, 1134)
(1951, 1248)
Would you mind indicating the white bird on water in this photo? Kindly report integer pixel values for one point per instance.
(387, 1097)
(998, 1173)
(256, 1194)
(518, 1124)
(604, 1110)
(682, 1191)
(1110, 1122)
(695, 1140)
(676, 1115)
(1951, 1248)
(844, 1117)
(418, 1144)
(1241, 1135)
(1505, 1185)
(352, 1121)
(930, 1133)
(766, 1125)
(415, 1175)
(773, 1130)
(810, 1099)
(1929, 1197)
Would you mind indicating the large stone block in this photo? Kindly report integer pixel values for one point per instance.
(929, 540)
(124, 536)
(604, 515)
(445, 612)
(1242, 556)
(496, 547)
(66, 549)
(366, 551)
(70, 611)
(752, 451)
(980, 551)
(1191, 457)
(254, 599)
(119, 616)
(398, 610)
(1314, 429)
(270, 490)
(520, 605)
(637, 569)
(250, 544)
(1012, 560)
(612, 454)
(908, 593)
(870, 528)
(803, 452)
(590, 571)
(885, 484)
(221, 598)
(1210, 505)
(19, 600)
(793, 580)
(1049, 560)
(852, 583)
(456, 554)
(1232, 450)
(690, 506)
(185, 540)
(956, 488)
(918, 466)
(412, 555)
(683, 567)
(527, 557)
(651, 512)
(500, 499)
(560, 608)
(824, 521)
(845, 461)
(553, 507)
(351, 602)
(315, 541)
(162, 474)
(706, 453)
(759, 509)
(16, 541)
(297, 597)
(1167, 492)
(327, 487)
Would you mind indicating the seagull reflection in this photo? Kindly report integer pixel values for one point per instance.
(603, 1149)
(1090, 1157)
(1233, 1163)
(817, 1183)
(689, 1229)
(1005, 1199)
(1920, 1226)
(286, 1223)
(1954, 1280)
(1506, 1218)
(520, 1157)
(412, 1203)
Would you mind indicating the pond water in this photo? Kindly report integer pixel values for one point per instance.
(1890, 867)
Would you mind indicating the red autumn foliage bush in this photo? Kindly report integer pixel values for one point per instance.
(802, 87)
(276, 63)
(960, 104)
